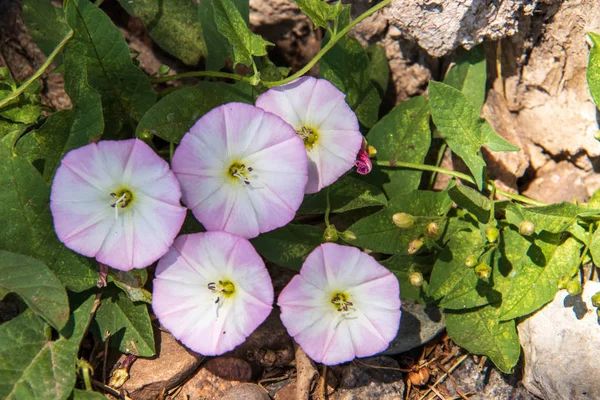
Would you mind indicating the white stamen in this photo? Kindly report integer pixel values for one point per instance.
(117, 204)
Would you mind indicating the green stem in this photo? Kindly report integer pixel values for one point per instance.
(214, 74)
(329, 45)
(460, 175)
(327, 207)
(171, 150)
(38, 73)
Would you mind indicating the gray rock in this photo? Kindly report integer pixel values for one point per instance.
(487, 383)
(561, 348)
(245, 391)
(556, 182)
(419, 324)
(358, 381)
(440, 26)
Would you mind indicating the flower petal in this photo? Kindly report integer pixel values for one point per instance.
(327, 333)
(320, 106)
(82, 202)
(186, 306)
(262, 142)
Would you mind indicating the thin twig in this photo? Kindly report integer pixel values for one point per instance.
(443, 377)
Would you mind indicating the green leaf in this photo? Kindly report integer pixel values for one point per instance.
(595, 247)
(348, 67)
(26, 108)
(347, 193)
(32, 366)
(480, 332)
(86, 395)
(472, 201)
(459, 122)
(288, 246)
(217, 46)
(68, 129)
(319, 11)
(378, 232)
(36, 285)
(380, 68)
(455, 283)
(24, 201)
(244, 42)
(132, 283)
(128, 323)
(175, 113)
(402, 266)
(494, 141)
(270, 72)
(535, 274)
(404, 135)
(554, 218)
(46, 24)
(98, 47)
(593, 71)
(469, 75)
(173, 25)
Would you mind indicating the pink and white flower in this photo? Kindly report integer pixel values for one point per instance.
(320, 115)
(363, 161)
(212, 291)
(117, 201)
(242, 170)
(342, 305)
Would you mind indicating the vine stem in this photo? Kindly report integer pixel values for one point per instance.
(329, 45)
(38, 73)
(214, 74)
(328, 208)
(460, 175)
(254, 81)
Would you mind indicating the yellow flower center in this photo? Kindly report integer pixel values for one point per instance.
(341, 302)
(123, 199)
(309, 135)
(224, 288)
(239, 171)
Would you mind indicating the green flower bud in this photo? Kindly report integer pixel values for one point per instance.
(491, 233)
(348, 236)
(403, 220)
(574, 288)
(483, 271)
(146, 136)
(330, 234)
(596, 299)
(432, 230)
(415, 245)
(526, 228)
(562, 282)
(416, 279)
(597, 136)
(163, 69)
(3, 72)
(471, 261)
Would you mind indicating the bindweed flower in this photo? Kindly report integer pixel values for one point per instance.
(320, 115)
(242, 170)
(117, 201)
(363, 162)
(342, 305)
(212, 291)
